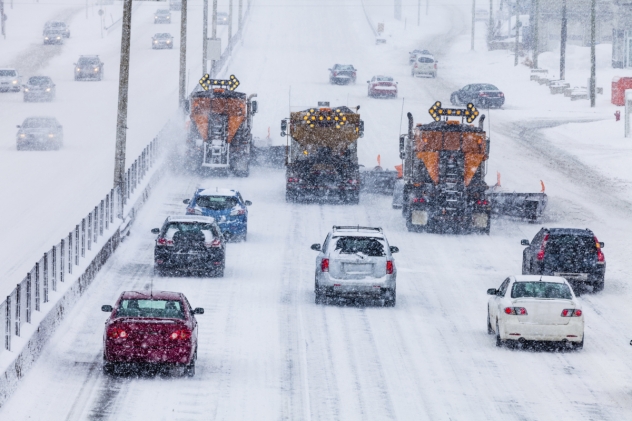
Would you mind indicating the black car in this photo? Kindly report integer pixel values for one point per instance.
(57, 27)
(342, 74)
(574, 254)
(189, 244)
(40, 133)
(39, 88)
(89, 67)
(162, 16)
(53, 36)
(482, 95)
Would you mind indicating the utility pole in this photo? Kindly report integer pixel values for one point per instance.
(490, 29)
(213, 32)
(426, 7)
(205, 34)
(183, 54)
(121, 116)
(4, 35)
(230, 26)
(593, 67)
(473, 21)
(239, 20)
(517, 38)
(536, 34)
(563, 37)
(418, 12)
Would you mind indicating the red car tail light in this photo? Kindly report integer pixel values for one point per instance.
(353, 182)
(571, 312)
(164, 242)
(324, 265)
(116, 332)
(482, 202)
(516, 311)
(389, 267)
(542, 248)
(293, 180)
(181, 334)
(190, 211)
(419, 200)
(435, 66)
(215, 243)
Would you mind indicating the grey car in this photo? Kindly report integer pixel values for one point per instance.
(39, 88)
(162, 16)
(89, 67)
(40, 133)
(162, 40)
(58, 27)
(10, 80)
(355, 262)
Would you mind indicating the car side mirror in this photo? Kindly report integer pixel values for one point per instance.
(492, 291)
(329, 70)
(255, 107)
(198, 310)
(316, 247)
(394, 249)
(368, 81)
(524, 242)
(155, 231)
(106, 308)
(248, 202)
(186, 201)
(602, 244)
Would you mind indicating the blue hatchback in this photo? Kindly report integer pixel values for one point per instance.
(227, 207)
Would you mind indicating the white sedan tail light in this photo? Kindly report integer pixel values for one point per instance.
(516, 311)
(571, 312)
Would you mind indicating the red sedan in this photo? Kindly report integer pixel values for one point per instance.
(158, 329)
(382, 86)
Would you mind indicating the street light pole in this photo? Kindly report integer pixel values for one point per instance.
(536, 34)
(593, 63)
(230, 26)
(490, 29)
(239, 19)
(205, 34)
(418, 12)
(213, 32)
(473, 21)
(121, 116)
(517, 38)
(183, 54)
(563, 37)
(4, 35)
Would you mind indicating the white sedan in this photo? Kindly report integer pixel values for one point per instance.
(535, 308)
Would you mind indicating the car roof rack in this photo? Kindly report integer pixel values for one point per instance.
(355, 227)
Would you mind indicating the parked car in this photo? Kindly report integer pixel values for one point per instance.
(189, 244)
(355, 262)
(226, 206)
(59, 27)
(89, 67)
(482, 95)
(39, 88)
(155, 328)
(53, 36)
(342, 74)
(40, 133)
(162, 16)
(162, 40)
(424, 64)
(382, 86)
(574, 254)
(10, 80)
(412, 55)
(535, 308)
(222, 18)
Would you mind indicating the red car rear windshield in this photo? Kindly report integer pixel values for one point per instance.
(164, 309)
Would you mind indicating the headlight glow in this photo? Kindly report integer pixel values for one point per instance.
(45, 37)
(168, 42)
(78, 69)
(26, 89)
(15, 82)
(58, 37)
(22, 135)
(155, 42)
(96, 69)
(51, 135)
(47, 89)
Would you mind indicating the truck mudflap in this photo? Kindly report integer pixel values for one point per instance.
(378, 180)
(529, 206)
(269, 156)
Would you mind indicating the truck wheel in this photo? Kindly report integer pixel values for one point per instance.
(599, 284)
(319, 297)
(289, 197)
(490, 330)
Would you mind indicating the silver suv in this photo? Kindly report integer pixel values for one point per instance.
(355, 262)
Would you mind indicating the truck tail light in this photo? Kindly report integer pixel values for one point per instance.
(353, 182)
(293, 180)
(571, 312)
(389, 267)
(215, 243)
(482, 202)
(540, 255)
(419, 200)
(600, 256)
(324, 265)
(516, 311)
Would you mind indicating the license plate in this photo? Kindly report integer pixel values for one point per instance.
(419, 217)
(357, 268)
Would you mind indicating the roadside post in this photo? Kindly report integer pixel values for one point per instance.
(628, 110)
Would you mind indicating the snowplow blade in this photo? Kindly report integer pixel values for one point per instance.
(529, 206)
(268, 156)
(378, 181)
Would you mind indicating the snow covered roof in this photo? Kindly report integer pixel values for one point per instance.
(157, 295)
(216, 192)
(191, 218)
(537, 278)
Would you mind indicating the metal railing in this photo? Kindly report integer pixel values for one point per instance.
(69, 253)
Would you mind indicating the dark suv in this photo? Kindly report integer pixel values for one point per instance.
(574, 254)
(187, 244)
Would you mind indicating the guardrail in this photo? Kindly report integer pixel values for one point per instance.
(67, 256)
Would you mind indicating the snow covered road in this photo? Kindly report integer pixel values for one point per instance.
(267, 352)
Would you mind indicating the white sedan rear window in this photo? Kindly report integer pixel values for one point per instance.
(538, 289)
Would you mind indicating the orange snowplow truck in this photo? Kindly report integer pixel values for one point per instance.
(444, 173)
(219, 134)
